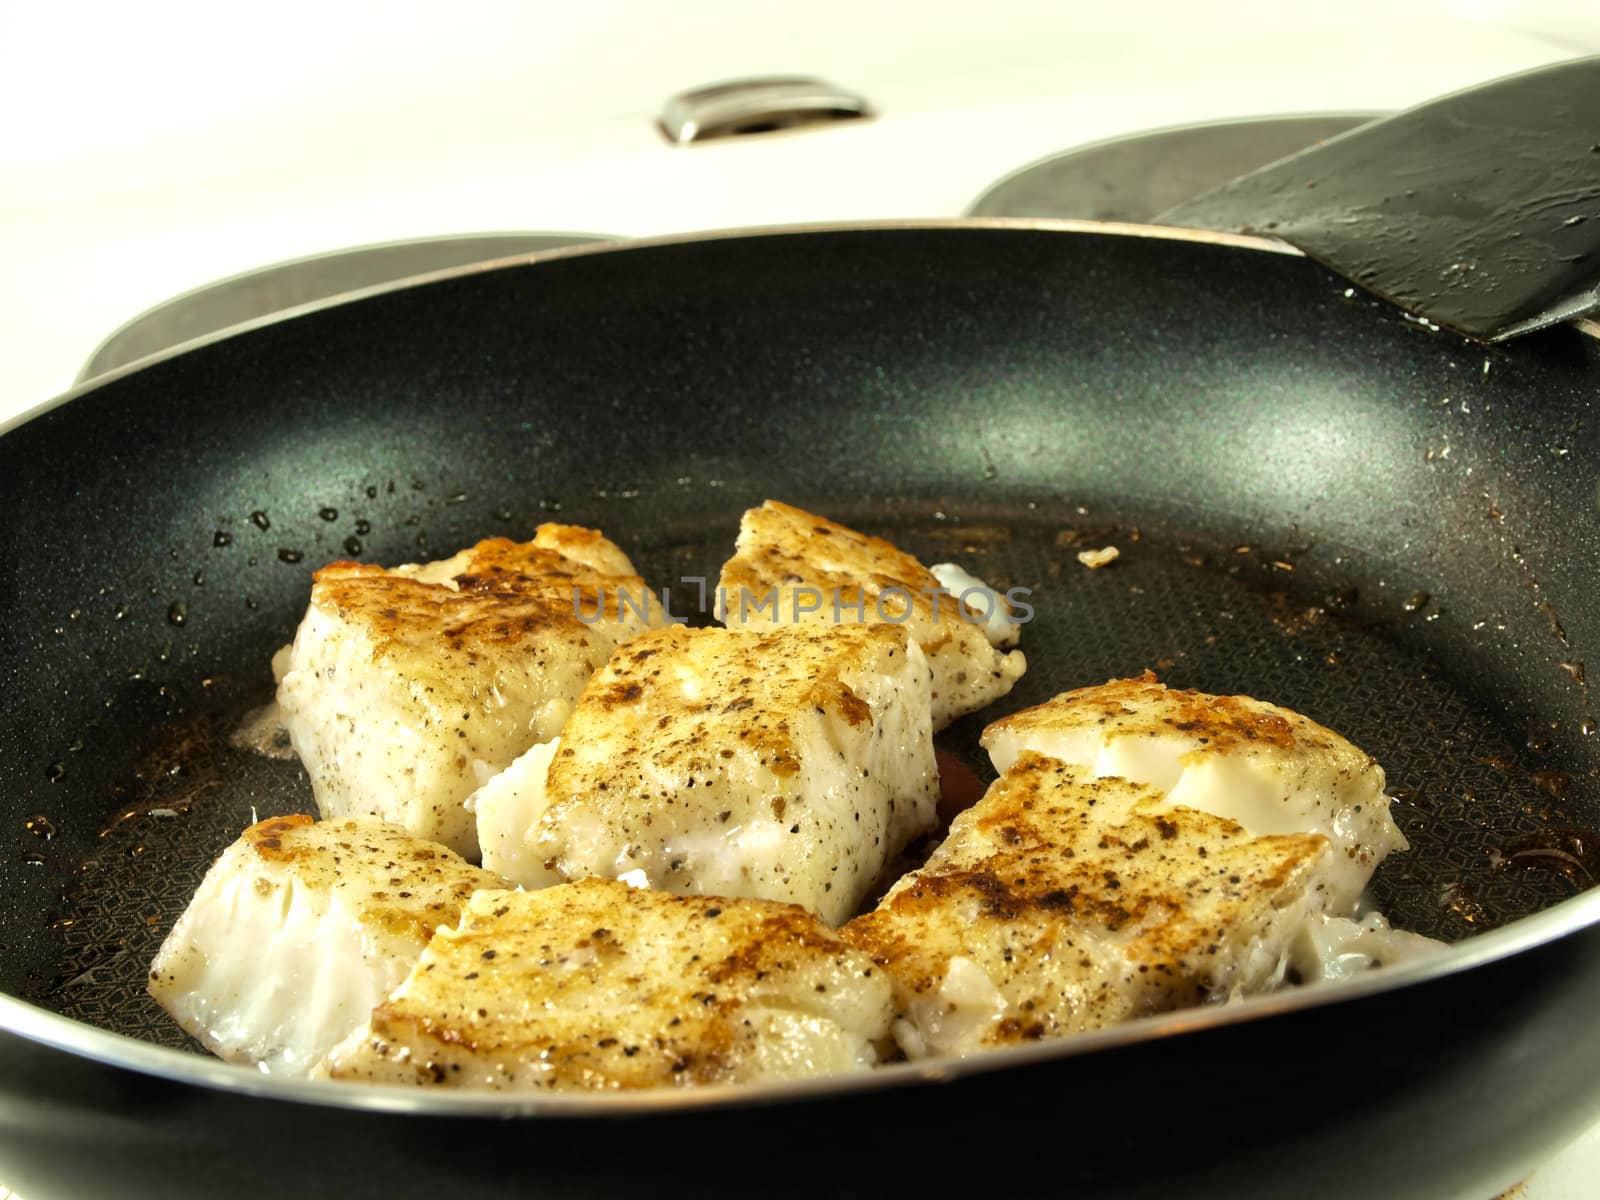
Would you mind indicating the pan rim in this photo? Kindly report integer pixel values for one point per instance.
(46, 1028)
(1040, 224)
(318, 258)
(1266, 245)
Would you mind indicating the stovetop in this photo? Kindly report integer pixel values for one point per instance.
(161, 151)
(151, 151)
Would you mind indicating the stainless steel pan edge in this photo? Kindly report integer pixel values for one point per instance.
(1580, 913)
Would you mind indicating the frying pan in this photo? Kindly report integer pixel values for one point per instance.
(1317, 502)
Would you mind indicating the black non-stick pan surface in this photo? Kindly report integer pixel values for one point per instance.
(1316, 501)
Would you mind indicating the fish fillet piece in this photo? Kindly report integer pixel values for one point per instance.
(598, 985)
(792, 566)
(299, 928)
(405, 689)
(1061, 903)
(1268, 768)
(557, 557)
(1334, 947)
(789, 764)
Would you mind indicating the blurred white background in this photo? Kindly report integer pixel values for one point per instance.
(152, 148)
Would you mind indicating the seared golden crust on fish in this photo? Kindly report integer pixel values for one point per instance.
(391, 882)
(791, 566)
(1269, 768)
(299, 928)
(781, 543)
(404, 616)
(596, 985)
(790, 764)
(405, 689)
(1062, 903)
(558, 557)
(1145, 707)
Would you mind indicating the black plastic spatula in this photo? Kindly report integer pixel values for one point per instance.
(1479, 212)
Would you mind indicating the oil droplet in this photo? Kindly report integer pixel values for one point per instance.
(199, 579)
(260, 520)
(250, 602)
(1457, 899)
(1571, 853)
(178, 613)
(328, 513)
(56, 772)
(550, 504)
(363, 527)
(1416, 601)
(372, 491)
(503, 513)
(352, 545)
(1552, 783)
(222, 538)
(41, 826)
(289, 556)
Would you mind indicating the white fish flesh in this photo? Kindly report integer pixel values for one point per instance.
(1061, 903)
(299, 929)
(790, 764)
(406, 689)
(598, 985)
(1268, 768)
(792, 566)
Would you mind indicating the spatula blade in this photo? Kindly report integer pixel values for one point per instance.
(1479, 212)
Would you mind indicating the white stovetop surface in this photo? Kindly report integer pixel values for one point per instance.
(152, 148)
